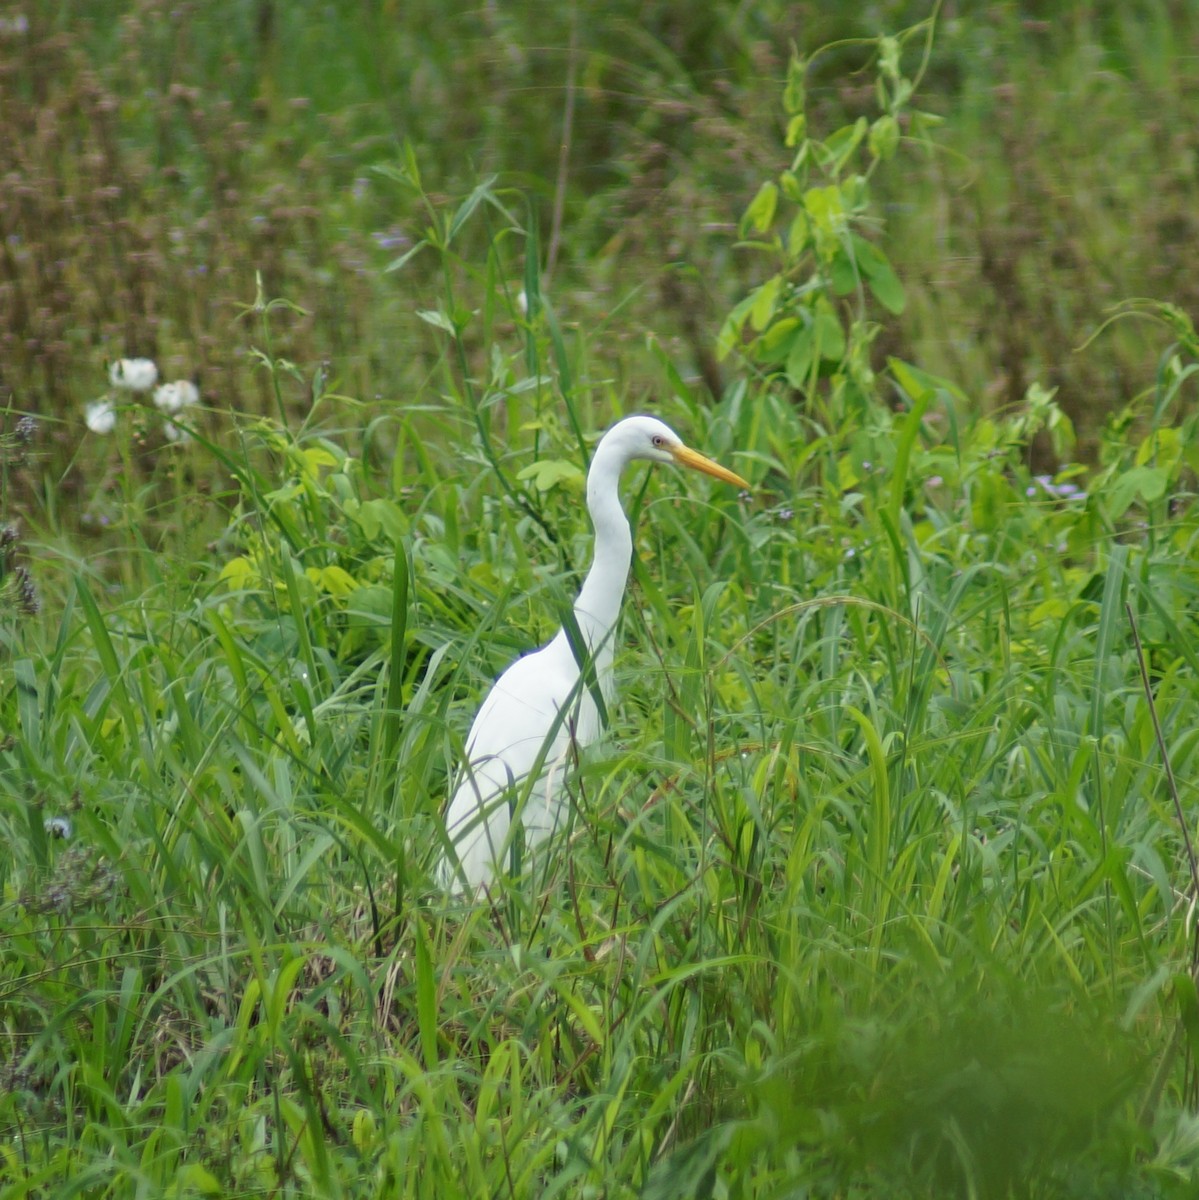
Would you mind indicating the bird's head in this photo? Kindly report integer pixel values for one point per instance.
(653, 440)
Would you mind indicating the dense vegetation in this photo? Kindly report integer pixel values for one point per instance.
(881, 884)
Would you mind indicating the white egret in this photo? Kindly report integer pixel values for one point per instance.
(544, 704)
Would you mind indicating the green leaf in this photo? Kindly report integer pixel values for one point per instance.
(800, 359)
(1163, 446)
(915, 382)
(437, 319)
(880, 275)
(1149, 483)
(909, 431)
(825, 207)
(765, 301)
(547, 473)
(799, 235)
(730, 330)
(760, 214)
(888, 57)
(397, 263)
(888, 291)
(775, 344)
(843, 274)
(841, 145)
(884, 137)
(466, 209)
(334, 580)
(793, 93)
(386, 515)
(827, 335)
(192, 1177)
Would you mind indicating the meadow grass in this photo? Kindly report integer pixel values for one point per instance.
(876, 887)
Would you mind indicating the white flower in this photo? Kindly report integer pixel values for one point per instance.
(133, 374)
(174, 397)
(176, 433)
(100, 416)
(59, 827)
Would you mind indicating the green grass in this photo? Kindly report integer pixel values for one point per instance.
(874, 888)
(877, 886)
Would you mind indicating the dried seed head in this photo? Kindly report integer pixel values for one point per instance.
(28, 601)
(81, 879)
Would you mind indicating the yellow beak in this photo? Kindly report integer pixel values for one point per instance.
(686, 457)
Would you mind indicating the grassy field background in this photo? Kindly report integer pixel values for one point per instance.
(882, 883)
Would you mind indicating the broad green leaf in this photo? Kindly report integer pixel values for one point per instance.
(547, 473)
(1149, 483)
(1163, 447)
(843, 143)
(239, 573)
(828, 337)
(884, 137)
(730, 330)
(800, 359)
(843, 274)
(760, 214)
(848, 476)
(312, 458)
(799, 235)
(791, 187)
(825, 207)
(192, 1178)
(914, 381)
(765, 300)
(334, 580)
(880, 275)
(774, 345)
(388, 515)
(888, 290)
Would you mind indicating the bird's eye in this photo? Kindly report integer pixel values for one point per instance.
(657, 439)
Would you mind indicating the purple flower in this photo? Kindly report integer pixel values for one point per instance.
(1059, 491)
(390, 239)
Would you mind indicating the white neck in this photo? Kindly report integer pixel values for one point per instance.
(598, 605)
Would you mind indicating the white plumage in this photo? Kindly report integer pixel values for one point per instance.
(519, 723)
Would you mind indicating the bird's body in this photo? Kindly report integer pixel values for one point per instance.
(543, 705)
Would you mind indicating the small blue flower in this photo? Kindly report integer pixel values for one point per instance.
(390, 239)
